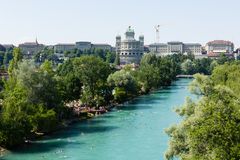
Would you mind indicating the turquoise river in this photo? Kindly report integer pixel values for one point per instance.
(134, 131)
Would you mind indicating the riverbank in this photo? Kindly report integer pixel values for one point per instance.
(184, 76)
(82, 113)
(137, 124)
(2, 151)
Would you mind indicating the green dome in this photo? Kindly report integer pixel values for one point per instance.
(130, 29)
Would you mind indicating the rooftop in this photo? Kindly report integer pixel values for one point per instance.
(175, 42)
(220, 42)
(192, 44)
(158, 44)
(65, 44)
(101, 44)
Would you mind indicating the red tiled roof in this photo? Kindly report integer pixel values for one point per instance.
(220, 42)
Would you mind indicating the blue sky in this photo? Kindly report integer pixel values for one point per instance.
(99, 21)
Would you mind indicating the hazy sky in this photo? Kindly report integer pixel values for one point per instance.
(99, 21)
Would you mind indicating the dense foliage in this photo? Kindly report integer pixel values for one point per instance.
(106, 55)
(210, 127)
(47, 54)
(93, 73)
(155, 72)
(30, 101)
(5, 57)
(205, 66)
(124, 85)
(34, 97)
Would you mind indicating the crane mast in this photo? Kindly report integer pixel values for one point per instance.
(157, 28)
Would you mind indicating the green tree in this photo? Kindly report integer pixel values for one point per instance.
(110, 57)
(222, 59)
(69, 85)
(155, 72)
(148, 73)
(46, 54)
(228, 74)
(188, 67)
(210, 127)
(124, 84)
(93, 72)
(7, 57)
(117, 60)
(17, 57)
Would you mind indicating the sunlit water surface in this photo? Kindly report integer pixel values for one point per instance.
(134, 131)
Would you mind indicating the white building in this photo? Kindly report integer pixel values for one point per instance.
(82, 45)
(217, 47)
(194, 48)
(162, 49)
(105, 47)
(130, 50)
(158, 48)
(30, 48)
(62, 47)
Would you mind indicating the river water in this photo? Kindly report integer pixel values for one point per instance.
(134, 131)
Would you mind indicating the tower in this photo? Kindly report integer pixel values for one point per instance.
(141, 40)
(118, 44)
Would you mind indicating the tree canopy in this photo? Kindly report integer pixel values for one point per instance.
(210, 127)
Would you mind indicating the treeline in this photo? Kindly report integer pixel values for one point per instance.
(34, 97)
(211, 126)
(50, 55)
(205, 66)
(5, 58)
(106, 55)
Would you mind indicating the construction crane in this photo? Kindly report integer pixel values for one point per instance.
(157, 28)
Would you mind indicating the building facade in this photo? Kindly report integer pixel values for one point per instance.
(105, 47)
(61, 47)
(30, 48)
(82, 45)
(217, 47)
(194, 48)
(162, 49)
(130, 50)
(175, 47)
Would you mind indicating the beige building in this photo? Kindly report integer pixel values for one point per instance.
(130, 50)
(102, 46)
(217, 47)
(162, 49)
(61, 47)
(30, 48)
(194, 48)
(82, 45)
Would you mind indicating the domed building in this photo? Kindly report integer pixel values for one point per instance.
(130, 50)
